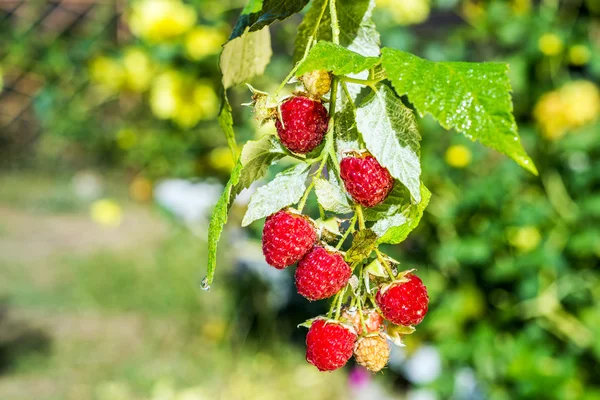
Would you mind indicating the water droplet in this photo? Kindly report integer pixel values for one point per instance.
(204, 284)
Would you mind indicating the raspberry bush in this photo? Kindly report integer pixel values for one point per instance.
(350, 129)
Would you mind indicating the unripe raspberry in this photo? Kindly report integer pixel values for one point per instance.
(329, 344)
(321, 274)
(287, 237)
(372, 352)
(373, 320)
(303, 124)
(317, 83)
(404, 302)
(365, 179)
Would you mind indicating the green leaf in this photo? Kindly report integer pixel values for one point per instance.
(395, 228)
(257, 156)
(390, 133)
(473, 98)
(260, 13)
(218, 220)
(336, 59)
(245, 57)
(226, 123)
(331, 197)
(285, 189)
(390, 206)
(363, 244)
(346, 135)
(357, 30)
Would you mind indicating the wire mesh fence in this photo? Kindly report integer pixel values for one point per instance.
(44, 48)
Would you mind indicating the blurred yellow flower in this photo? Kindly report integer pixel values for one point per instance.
(183, 99)
(220, 158)
(579, 55)
(472, 10)
(139, 69)
(107, 72)
(525, 238)
(521, 7)
(203, 41)
(140, 189)
(550, 44)
(106, 212)
(406, 12)
(126, 138)
(573, 105)
(458, 156)
(161, 20)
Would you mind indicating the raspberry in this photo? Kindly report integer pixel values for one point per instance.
(373, 321)
(404, 302)
(317, 83)
(372, 352)
(321, 274)
(329, 344)
(287, 237)
(365, 179)
(303, 124)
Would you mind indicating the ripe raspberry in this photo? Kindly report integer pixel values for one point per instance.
(329, 344)
(321, 274)
(373, 320)
(404, 302)
(372, 352)
(287, 237)
(365, 179)
(304, 124)
(317, 83)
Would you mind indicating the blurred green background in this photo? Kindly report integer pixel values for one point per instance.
(111, 159)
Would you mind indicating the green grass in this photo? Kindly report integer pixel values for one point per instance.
(129, 321)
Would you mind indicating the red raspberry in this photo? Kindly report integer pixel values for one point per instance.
(329, 344)
(304, 125)
(287, 237)
(404, 303)
(365, 179)
(321, 274)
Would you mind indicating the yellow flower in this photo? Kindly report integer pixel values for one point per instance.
(203, 41)
(458, 156)
(579, 55)
(139, 69)
(220, 158)
(550, 44)
(548, 112)
(182, 99)
(107, 72)
(521, 7)
(106, 212)
(126, 138)
(164, 95)
(473, 10)
(581, 100)
(161, 20)
(573, 105)
(524, 238)
(140, 189)
(406, 12)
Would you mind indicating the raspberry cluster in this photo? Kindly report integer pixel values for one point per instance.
(352, 326)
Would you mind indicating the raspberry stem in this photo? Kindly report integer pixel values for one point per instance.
(339, 302)
(348, 232)
(364, 82)
(309, 44)
(361, 218)
(385, 264)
